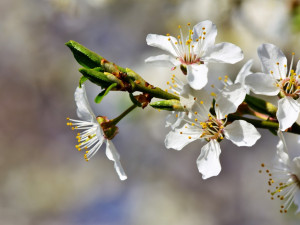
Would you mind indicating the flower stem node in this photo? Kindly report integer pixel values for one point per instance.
(109, 129)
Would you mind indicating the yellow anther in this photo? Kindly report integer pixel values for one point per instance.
(179, 26)
(196, 120)
(196, 113)
(217, 105)
(226, 76)
(180, 132)
(168, 82)
(277, 63)
(176, 115)
(213, 94)
(284, 65)
(293, 53)
(204, 33)
(166, 90)
(178, 36)
(212, 86)
(203, 38)
(220, 78)
(193, 124)
(203, 28)
(176, 43)
(168, 34)
(73, 128)
(169, 39)
(201, 102)
(190, 137)
(271, 72)
(68, 118)
(189, 24)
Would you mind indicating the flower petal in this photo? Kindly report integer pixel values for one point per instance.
(163, 60)
(208, 161)
(297, 200)
(113, 155)
(298, 71)
(224, 53)
(84, 110)
(229, 99)
(210, 30)
(288, 112)
(162, 42)
(244, 72)
(174, 119)
(241, 133)
(197, 75)
(261, 83)
(270, 55)
(180, 137)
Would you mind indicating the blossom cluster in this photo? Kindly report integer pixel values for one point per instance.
(200, 111)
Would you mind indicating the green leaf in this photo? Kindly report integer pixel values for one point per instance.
(82, 80)
(101, 95)
(169, 105)
(84, 56)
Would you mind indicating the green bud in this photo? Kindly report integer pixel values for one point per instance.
(84, 56)
(102, 79)
(169, 105)
(134, 76)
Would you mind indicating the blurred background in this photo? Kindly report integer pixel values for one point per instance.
(44, 180)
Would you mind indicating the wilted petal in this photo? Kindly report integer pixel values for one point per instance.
(113, 155)
(210, 30)
(84, 110)
(270, 55)
(229, 99)
(244, 72)
(197, 75)
(180, 137)
(208, 161)
(241, 133)
(162, 42)
(224, 53)
(261, 83)
(288, 112)
(163, 60)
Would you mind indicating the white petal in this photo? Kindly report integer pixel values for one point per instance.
(188, 97)
(297, 200)
(180, 137)
(197, 75)
(298, 70)
(174, 121)
(224, 53)
(261, 83)
(84, 110)
(163, 60)
(210, 36)
(241, 133)
(288, 112)
(296, 166)
(162, 42)
(270, 55)
(208, 161)
(113, 155)
(245, 71)
(281, 159)
(229, 99)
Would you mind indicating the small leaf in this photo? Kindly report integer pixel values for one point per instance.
(84, 56)
(169, 105)
(82, 80)
(101, 95)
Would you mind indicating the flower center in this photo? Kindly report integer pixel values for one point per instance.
(190, 49)
(290, 86)
(212, 129)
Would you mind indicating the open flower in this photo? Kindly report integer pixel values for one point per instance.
(284, 177)
(201, 125)
(276, 79)
(193, 52)
(92, 135)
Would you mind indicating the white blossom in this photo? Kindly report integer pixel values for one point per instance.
(201, 125)
(92, 137)
(284, 177)
(277, 79)
(192, 53)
